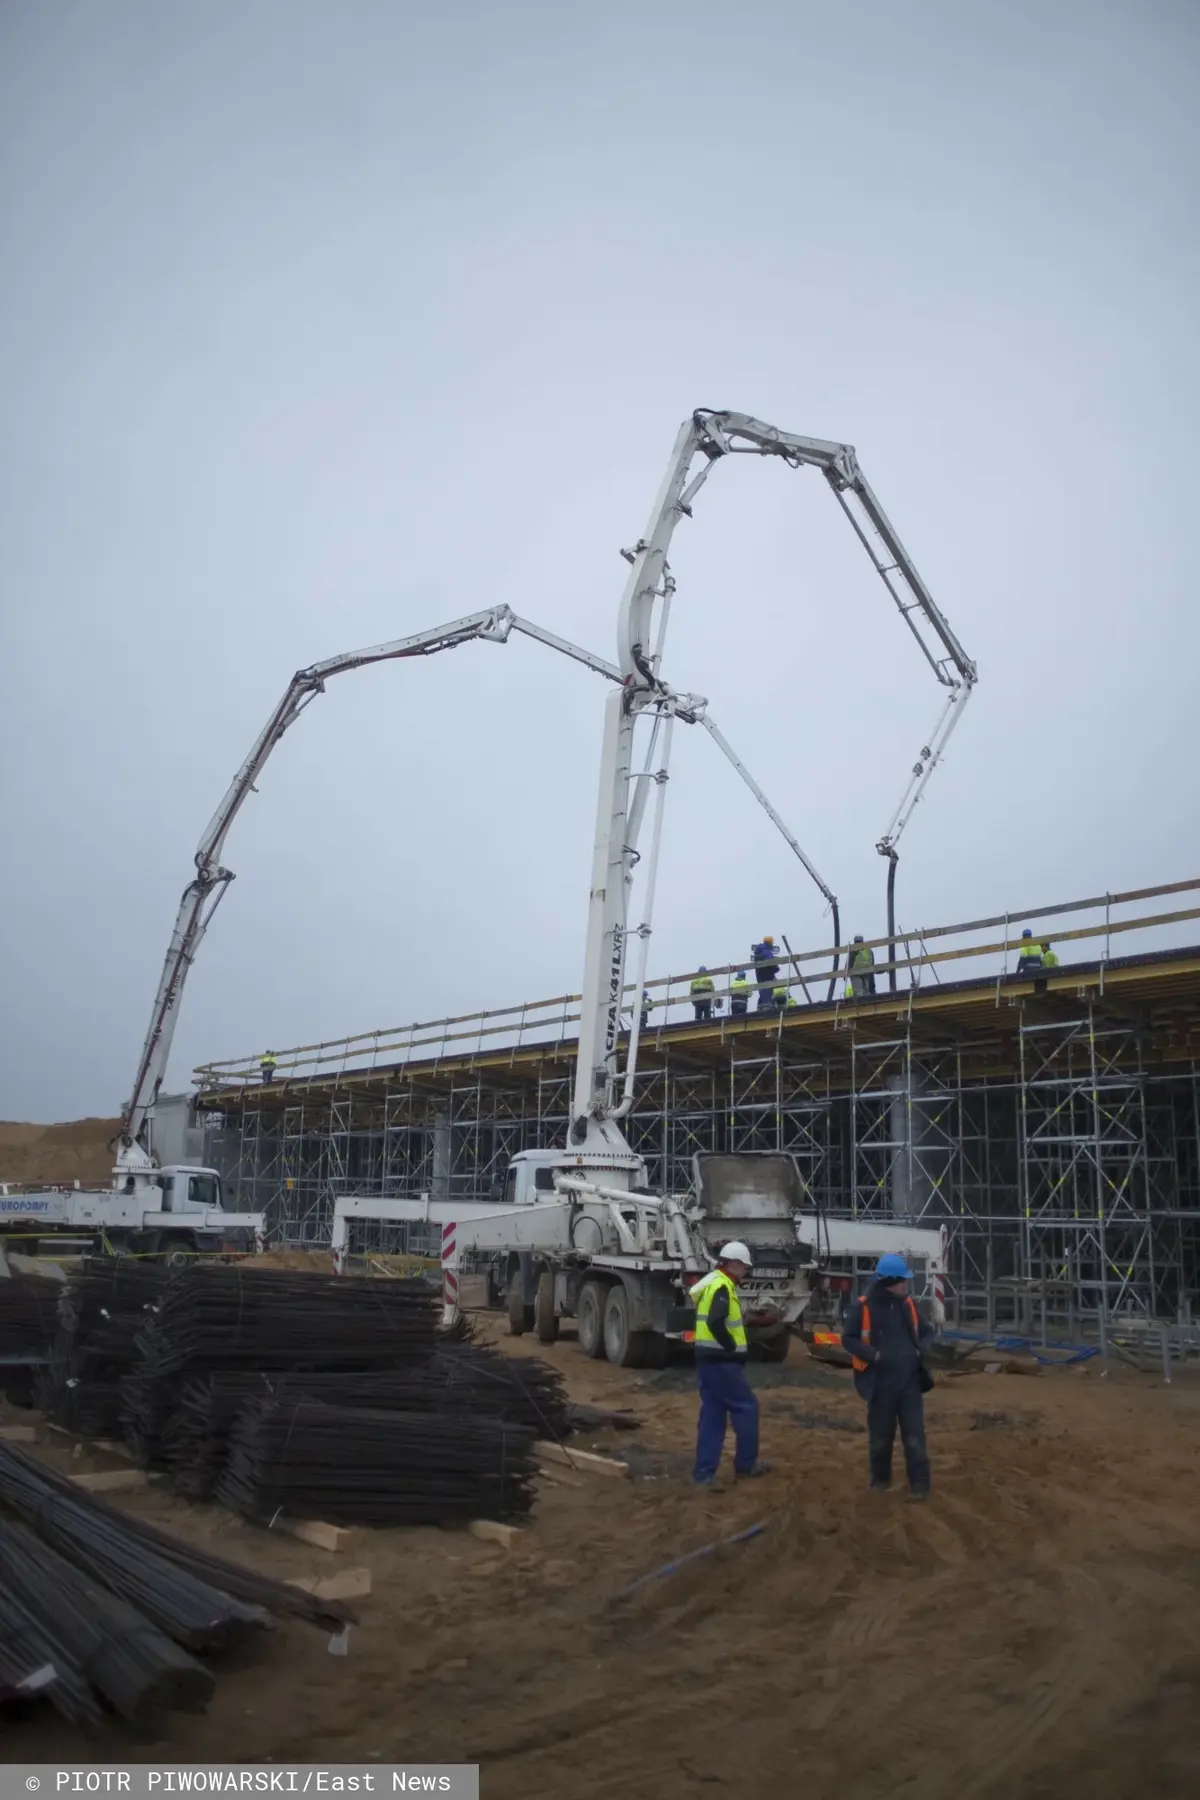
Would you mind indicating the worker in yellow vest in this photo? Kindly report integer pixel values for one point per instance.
(702, 994)
(1049, 959)
(721, 1356)
(266, 1067)
(885, 1336)
(861, 984)
(740, 991)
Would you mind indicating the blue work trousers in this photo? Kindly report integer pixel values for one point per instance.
(725, 1394)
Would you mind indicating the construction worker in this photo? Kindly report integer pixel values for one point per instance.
(862, 971)
(1029, 962)
(766, 971)
(1049, 959)
(702, 994)
(884, 1336)
(740, 991)
(266, 1067)
(781, 999)
(721, 1356)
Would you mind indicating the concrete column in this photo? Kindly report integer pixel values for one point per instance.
(919, 1151)
(440, 1189)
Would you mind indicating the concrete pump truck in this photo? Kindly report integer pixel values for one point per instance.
(580, 1234)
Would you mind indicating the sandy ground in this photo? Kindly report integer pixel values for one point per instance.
(78, 1151)
(1035, 1624)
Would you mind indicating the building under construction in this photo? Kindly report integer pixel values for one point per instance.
(1049, 1119)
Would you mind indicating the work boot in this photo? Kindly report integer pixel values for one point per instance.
(760, 1468)
(919, 1494)
(881, 1487)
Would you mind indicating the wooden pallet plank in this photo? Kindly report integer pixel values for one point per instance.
(585, 1460)
(347, 1584)
(111, 1481)
(492, 1532)
(317, 1532)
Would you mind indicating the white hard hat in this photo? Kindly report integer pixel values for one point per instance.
(737, 1252)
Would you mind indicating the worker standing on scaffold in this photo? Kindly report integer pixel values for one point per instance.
(266, 1067)
(766, 972)
(702, 994)
(861, 984)
(1029, 962)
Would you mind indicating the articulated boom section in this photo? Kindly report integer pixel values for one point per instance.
(203, 893)
(641, 633)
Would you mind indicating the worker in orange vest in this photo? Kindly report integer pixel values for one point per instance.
(885, 1336)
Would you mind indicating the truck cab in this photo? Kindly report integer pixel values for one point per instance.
(530, 1177)
(190, 1190)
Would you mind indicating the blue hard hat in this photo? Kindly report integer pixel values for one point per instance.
(704, 968)
(892, 1267)
(741, 974)
(1027, 932)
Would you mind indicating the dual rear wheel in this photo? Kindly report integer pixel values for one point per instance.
(603, 1314)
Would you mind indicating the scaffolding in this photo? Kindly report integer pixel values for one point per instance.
(1049, 1121)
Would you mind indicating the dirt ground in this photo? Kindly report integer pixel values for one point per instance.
(1035, 1625)
(79, 1151)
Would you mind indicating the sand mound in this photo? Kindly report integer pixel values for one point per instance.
(76, 1151)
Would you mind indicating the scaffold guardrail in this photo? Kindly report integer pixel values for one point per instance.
(549, 1021)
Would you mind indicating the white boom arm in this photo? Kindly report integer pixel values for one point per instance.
(203, 893)
(713, 435)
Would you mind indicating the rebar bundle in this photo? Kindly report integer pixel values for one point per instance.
(189, 1610)
(215, 1319)
(28, 1316)
(351, 1466)
(95, 1639)
(463, 1380)
(240, 1317)
(98, 1608)
(470, 1377)
(104, 1306)
(230, 1578)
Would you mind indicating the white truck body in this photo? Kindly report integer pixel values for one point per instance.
(176, 1212)
(561, 1229)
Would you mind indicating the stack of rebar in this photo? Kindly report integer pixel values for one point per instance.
(240, 1317)
(100, 1610)
(354, 1466)
(466, 1377)
(104, 1306)
(215, 1319)
(28, 1317)
(459, 1381)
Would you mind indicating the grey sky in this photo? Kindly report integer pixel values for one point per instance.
(322, 323)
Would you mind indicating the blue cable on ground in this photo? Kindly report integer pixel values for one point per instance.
(680, 1562)
(1079, 1352)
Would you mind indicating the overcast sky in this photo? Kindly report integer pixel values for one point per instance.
(323, 321)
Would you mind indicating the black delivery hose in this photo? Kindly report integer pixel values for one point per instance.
(893, 859)
(837, 938)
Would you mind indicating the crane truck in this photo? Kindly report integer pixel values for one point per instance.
(580, 1234)
(178, 1211)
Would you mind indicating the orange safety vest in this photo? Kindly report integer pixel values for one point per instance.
(910, 1306)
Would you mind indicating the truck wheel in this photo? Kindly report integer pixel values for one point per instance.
(178, 1253)
(624, 1348)
(589, 1316)
(520, 1316)
(545, 1319)
(775, 1350)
